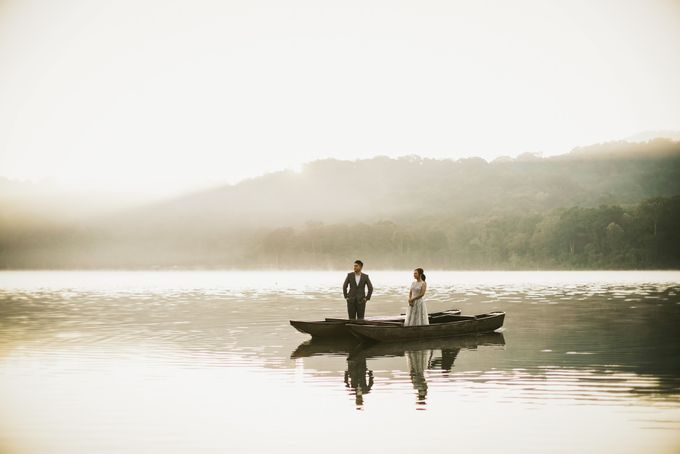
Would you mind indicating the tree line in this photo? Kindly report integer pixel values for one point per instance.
(641, 236)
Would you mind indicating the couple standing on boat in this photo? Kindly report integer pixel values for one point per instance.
(354, 290)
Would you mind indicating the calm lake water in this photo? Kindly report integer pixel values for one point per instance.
(207, 361)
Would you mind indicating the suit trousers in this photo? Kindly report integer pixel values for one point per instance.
(356, 307)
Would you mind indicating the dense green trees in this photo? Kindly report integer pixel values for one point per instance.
(646, 235)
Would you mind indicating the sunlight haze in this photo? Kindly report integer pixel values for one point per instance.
(160, 97)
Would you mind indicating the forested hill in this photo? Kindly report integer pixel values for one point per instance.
(413, 188)
(615, 205)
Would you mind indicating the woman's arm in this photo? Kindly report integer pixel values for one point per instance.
(422, 294)
(410, 301)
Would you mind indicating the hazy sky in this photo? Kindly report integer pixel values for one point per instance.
(158, 96)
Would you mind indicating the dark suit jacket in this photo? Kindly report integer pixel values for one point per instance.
(357, 291)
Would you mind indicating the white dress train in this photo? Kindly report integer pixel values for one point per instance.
(417, 314)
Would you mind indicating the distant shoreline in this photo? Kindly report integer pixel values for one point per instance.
(319, 270)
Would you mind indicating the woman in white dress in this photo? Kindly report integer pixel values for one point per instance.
(417, 311)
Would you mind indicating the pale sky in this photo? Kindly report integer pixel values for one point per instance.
(157, 96)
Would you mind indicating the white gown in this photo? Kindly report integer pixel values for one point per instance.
(417, 314)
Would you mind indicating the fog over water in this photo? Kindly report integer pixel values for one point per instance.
(607, 206)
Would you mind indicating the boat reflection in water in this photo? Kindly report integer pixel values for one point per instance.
(421, 356)
(357, 377)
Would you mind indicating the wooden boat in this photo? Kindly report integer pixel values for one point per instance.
(335, 327)
(442, 326)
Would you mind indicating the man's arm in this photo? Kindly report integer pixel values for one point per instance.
(345, 286)
(370, 288)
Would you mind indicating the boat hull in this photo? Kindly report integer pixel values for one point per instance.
(337, 327)
(484, 323)
(332, 328)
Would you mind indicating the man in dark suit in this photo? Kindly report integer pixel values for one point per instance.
(354, 290)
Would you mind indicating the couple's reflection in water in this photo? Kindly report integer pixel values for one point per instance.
(418, 362)
(358, 379)
(420, 357)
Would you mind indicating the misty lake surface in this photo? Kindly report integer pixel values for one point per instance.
(207, 361)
